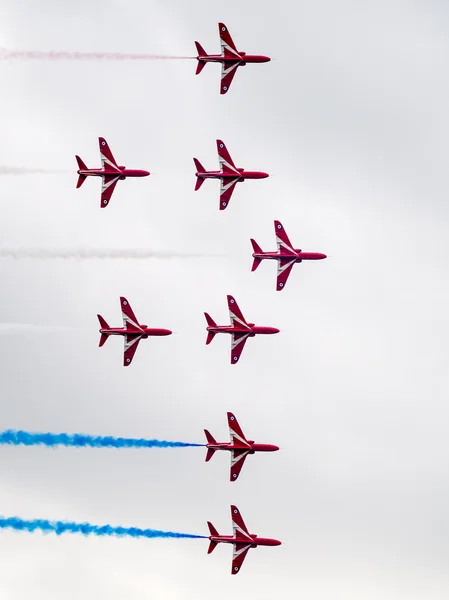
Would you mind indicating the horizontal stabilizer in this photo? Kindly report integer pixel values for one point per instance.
(211, 548)
(199, 183)
(212, 529)
(210, 321)
(210, 337)
(210, 438)
(103, 339)
(209, 454)
(200, 66)
(256, 263)
(103, 323)
(256, 248)
(81, 164)
(80, 181)
(199, 48)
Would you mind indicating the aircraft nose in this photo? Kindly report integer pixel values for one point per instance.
(276, 543)
(145, 173)
(323, 255)
(266, 59)
(166, 332)
(275, 330)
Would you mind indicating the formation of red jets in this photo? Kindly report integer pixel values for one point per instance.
(239, 328)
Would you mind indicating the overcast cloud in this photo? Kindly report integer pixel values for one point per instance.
(351, 121)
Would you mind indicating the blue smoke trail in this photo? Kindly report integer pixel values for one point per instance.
(60, 527)
(17, 438)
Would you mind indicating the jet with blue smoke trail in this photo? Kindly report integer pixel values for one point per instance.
(11, 437)
(60, 527)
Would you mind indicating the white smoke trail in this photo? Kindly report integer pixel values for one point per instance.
(6, 54)
(95, 254)
(4, 170)
(11, 328)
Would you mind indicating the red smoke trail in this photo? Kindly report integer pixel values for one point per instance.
(63, 55)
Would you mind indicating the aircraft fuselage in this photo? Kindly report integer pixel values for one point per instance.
(245, 58)
(255, 541)
(146, 331)
(252, 330)
(123, 173)
(300, 255)
(230, 175)
(253, 447)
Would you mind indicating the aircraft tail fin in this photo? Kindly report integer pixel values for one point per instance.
(81, 166)
(104, 336)
(210, 440)
(210, 323)
(199, 169)
(214, 533)
(257, 250)
(201, 63)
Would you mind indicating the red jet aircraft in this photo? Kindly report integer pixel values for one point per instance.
(230, 58)
(239, 329)
(229, 174)
(110, 172)
(241, 539)
(132, 331)
(286, 255)
(239, 446)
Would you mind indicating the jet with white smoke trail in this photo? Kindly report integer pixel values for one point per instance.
(14, 328)
(110, 172)
(5, 170)
(95, 254)
(6, 54)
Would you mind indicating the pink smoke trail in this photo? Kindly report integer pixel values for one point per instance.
(64, 55)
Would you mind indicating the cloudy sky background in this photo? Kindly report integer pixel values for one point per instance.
(351, 120)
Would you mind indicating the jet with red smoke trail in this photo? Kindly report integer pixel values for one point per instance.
(229, 175)
(241, 540)
(239, 446)
(230, 58)
(239, 329)
(110, 172)
(286, 255)
(132, 331)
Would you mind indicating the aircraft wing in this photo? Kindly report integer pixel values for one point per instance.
(240, 550)
(228, 71)
(108, 183)
(235, 432)
(283, 243)
(235, 314)
(285, 266)
(130, 323)
(108, 162)
(224, 158)
(228, 48)
(131, 343)
(239, 529)
(226, 190)
(238, 341)
(238, 458)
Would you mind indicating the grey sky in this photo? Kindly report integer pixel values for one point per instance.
(350, 118)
